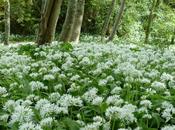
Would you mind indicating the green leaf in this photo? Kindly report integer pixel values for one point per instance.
(66, 47)
(70, 124)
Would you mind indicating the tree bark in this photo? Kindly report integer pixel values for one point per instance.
(66, 32)
(117, 21)
(150, 19)
(78, 21)
(7, 22)
(49, 18)
(173, 37)
(107, 20)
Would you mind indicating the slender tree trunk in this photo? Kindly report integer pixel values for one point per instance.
(78, 21)
(66, 32)
(49, 18)
(150, 19)
(107, 20)
(173, 37)
(7, 22)
(117, 20)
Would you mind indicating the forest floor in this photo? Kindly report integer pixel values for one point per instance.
(89, 86)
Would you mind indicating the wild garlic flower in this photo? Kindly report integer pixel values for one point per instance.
(146, 103)
(168, 111)
(48, 77)
(4, 118)
(54, 97)
(114, 100)
(9, 105)
(102, 82)
(41, 103)
(85, 61)
(166, 77)
(3, 92)
(29, 126)
(90, 94)
(168, 127)
(97, 100)
(67, 100)
(58, 87)
(125, 113)
(46, 122)
(21, 115)
(158, 85)
(37, 85)
(116, 90)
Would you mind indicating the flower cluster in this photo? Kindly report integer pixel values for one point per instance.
(88, 87)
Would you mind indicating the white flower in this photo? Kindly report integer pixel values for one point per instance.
(168, 127)
(58, 87)
(3, 92)
(145, 80)
(90, 95)
(102, 82)
(125, 113)
(158, 85)
(97, 100)
(98, 119)
(32, 97)
(55, 70)
(146, 103)
(54, 97)
(116, 90)
(114, 100)
(46, 122)
(26, 103)
(37, 85)
(81, 123)
(34, 75)
(9, 105)
(75, 78)
(147, 116)
(110, 78)
(73, 88)
(47, 110)
(48, 77)
(85, 61)
(4, 117)
(29, 126)
(21, 115)
(166, 77)
(67, 100)
(168, 111)
(41, 103)
(92, 126)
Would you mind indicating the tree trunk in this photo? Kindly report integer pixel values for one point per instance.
(49, 18)
(150, 19)
(7, 22)
(117, 21)
(107, 20)
(78, 21)
(173, 37)
(66, 32)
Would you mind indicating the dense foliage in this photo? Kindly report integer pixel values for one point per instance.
(87, 86)
(25, 17)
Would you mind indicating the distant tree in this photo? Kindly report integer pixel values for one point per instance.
(173, 37)
(151, 17)
(7, 21)
(117, 21)
(49, 17)
(107, 20)
(76, 29)
(67, 28)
